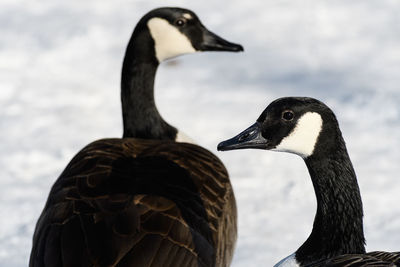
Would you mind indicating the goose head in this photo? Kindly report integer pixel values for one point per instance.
(299, 125)
(176, 31)
(307, 127)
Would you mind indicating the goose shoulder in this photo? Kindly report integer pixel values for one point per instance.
(386, 256)
(375, 258)
(120, 198)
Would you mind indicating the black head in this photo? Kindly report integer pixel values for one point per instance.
(299, 125)
(177, 31)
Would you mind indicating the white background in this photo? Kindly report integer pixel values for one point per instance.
(60, 64)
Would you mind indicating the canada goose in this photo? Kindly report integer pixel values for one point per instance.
(145, 199)
(307, 127)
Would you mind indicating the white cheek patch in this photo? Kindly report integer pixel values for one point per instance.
(302, 139)
(169, 41)
(183, 138)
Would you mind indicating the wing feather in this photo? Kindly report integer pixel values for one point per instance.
(375, 259)
(132, 202)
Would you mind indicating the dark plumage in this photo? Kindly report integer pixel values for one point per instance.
(307, 127)
(137, 202)
(143, 200)
(375, 259)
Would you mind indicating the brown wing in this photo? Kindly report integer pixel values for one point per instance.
(386, 256)
(212, 180)
(376, 259)
(131, 202)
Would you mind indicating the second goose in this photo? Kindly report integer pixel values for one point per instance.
(307, 127)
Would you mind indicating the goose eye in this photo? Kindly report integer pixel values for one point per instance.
(180, 22)
(288, 115)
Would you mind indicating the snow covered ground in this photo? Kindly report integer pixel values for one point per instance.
(60, 65)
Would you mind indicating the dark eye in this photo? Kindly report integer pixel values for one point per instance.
(288, 115)
(180, 22)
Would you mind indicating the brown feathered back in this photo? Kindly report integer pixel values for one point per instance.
(136, 202)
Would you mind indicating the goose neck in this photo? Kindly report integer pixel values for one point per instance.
(141, 118)
(338, 223)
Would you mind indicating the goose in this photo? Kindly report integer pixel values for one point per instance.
(147, 199)
(308, 128)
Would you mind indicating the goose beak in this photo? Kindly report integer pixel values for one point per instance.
(212, 42)
(249, 138)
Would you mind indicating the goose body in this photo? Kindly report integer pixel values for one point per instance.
(308, 128)
(144, 199)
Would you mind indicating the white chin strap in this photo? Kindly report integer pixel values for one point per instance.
(304, 136)
(169, 41)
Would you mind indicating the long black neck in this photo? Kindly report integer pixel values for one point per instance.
(338, 224)
(141, 118)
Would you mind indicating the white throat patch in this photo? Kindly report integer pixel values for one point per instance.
(169, 41)
(289, 261)
(304, 136)
(181, 137)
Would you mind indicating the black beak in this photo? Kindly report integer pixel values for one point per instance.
(212, 42)
(249, 138)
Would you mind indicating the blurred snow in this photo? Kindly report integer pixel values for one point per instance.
(60, 65)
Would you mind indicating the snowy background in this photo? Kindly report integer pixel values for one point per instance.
(60, 65)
